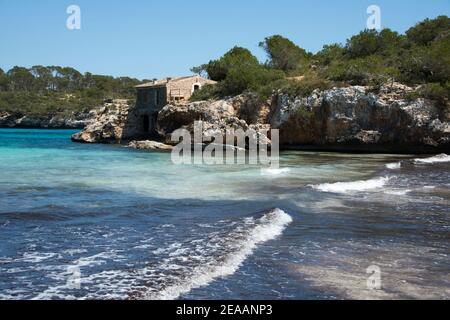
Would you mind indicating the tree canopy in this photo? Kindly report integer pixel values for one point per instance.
(42, 89)
(428, 30)
(283, 54)
(421, 56)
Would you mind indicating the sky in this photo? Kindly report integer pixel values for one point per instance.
(154, 39)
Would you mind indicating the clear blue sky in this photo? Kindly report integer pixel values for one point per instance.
(153, 39)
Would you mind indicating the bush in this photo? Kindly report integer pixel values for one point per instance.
(370, 70)
(422, 56)
(436, 91)
(330, 53)
(205, 93)
(294, 87)
(429, 30)
(236, 58)
(370, 42)
(424, 64)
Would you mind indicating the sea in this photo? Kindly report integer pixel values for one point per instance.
(92, 221)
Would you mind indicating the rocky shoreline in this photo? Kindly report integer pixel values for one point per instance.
(77, 120)
(348, 119)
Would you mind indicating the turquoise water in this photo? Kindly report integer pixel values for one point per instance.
(100, 221)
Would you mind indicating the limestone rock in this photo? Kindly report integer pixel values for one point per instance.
(52, 121)
(110, 123)
(356, 118)
(353, 118)
(149, 145)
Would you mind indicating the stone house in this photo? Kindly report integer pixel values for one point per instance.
(153, 96)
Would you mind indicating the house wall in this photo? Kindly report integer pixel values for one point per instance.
(151, 99)
(148, 103)
(184, 87)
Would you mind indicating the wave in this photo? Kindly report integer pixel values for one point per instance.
(268, 227)
(274, 172)
(436, 159)
(173, 270)
(398, 192)
(344, 187)
(441, 158)
(394, 165)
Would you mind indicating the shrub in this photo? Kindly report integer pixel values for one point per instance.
(429, 30)
(370, 70)
(424, 64)
(436, 91)
(370, 42)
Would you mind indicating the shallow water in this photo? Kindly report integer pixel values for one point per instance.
(99, 221)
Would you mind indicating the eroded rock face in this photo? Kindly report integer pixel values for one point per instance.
(111, 124)
(343, 119)
(173, 117)
(355, 118)
(221, 117)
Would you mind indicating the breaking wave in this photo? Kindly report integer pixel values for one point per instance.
(268, 227)
(344, 187)
(436, 159)
(274, 171)
(441, 158)
(394, 165)
(170, 271)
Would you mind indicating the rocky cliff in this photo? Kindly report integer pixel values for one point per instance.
(342, 119)
(359, 119)
(108, 125)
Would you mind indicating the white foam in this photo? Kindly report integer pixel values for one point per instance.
(274, 172)
(270, 226)
(394, 166)
(36, 257)
(398, 192)
(343, 187)
(436, 159)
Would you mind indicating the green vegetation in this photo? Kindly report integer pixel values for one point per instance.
(41, 90)
(421, 56)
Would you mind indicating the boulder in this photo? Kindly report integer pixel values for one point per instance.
(149, 145)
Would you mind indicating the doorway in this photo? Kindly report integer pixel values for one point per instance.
(146, 123)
